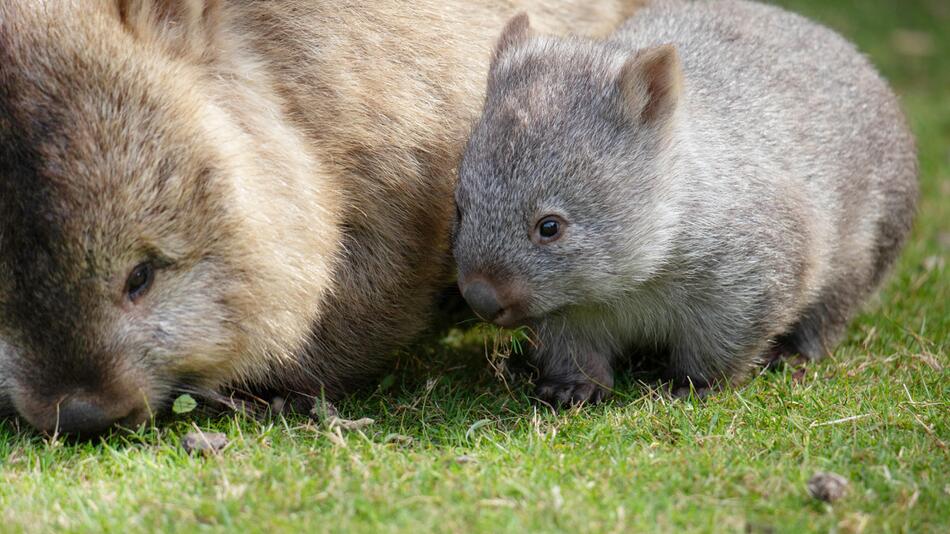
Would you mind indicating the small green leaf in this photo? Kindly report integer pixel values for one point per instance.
(184, 404)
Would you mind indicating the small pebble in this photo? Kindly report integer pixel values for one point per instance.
(798, 376)
(204, 442)
(828, 487)
(465, 459)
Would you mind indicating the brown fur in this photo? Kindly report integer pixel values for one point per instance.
(289, 164)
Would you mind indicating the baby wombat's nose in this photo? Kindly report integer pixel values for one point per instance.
(84, 418)
(483, 299)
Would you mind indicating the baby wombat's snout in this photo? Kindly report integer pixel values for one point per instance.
(502, 303)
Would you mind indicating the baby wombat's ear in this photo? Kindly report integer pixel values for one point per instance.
(516, 31)
(187, 28)
(650, 83)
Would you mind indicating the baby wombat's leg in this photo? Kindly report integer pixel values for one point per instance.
(821, 326)
(573, 369)
(703, 364)
(861, 262)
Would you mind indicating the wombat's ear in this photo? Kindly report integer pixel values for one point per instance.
(187, 28)
(650, 83)
(516, 31)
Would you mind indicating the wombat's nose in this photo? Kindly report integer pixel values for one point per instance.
(82, 410)
(83, 418)
(483, 299)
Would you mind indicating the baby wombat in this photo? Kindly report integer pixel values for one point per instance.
(717, 183)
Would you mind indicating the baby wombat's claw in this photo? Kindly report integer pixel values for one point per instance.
(684, 392)
(559, 394)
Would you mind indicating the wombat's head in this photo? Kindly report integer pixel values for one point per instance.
(562, 196)
(127, 266)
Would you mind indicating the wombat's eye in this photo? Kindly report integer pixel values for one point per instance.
(549, 229)
(140, 280)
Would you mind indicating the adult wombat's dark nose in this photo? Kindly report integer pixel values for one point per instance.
(483, 299)
(82, 412)
(83, 418)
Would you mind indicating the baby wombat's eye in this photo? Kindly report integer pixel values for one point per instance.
(140, 280)
(549, 229)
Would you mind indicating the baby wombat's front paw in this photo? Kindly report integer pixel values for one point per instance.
(572, 391)
(687, 391)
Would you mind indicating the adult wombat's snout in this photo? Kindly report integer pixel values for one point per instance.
(84, 409)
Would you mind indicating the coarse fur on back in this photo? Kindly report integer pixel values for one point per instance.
(717, 183)
(196, 193)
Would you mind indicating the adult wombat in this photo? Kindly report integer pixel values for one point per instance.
(717, 182)
(202, 192)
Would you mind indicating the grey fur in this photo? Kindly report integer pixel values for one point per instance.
(752, 217)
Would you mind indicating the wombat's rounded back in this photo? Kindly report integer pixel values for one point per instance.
(796, 97)
(797, 105)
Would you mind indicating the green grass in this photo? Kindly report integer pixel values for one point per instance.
(876, 413)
